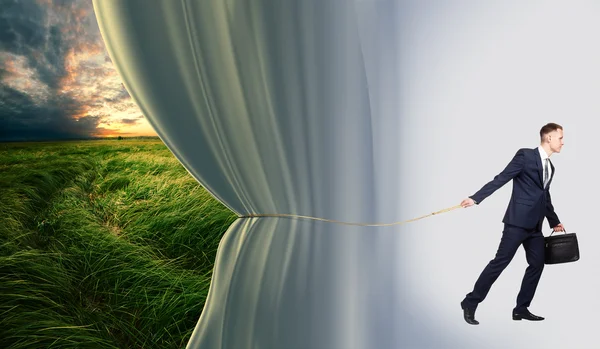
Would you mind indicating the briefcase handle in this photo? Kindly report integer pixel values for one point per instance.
(565, 231)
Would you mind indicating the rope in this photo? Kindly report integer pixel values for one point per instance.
(349, 223)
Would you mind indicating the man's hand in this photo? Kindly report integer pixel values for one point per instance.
(559, 227)
(468, 202)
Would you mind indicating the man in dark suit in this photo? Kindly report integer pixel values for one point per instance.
(531, 172)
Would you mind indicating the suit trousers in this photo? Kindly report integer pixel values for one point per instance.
(512, 237)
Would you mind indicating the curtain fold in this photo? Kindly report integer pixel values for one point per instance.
(273, 98)
(286, 107)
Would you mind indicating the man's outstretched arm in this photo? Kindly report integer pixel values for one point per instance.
(514, 167)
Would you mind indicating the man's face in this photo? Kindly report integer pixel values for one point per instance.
(556, 140)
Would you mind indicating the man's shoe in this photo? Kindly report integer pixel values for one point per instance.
(469, 315)
(525, 315)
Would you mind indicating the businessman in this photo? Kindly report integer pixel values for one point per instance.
(532, 172)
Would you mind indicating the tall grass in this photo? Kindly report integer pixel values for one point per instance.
(103, 244)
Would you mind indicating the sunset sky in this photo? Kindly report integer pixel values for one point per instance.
(56, 78)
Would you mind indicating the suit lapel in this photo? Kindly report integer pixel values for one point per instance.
(538, 162)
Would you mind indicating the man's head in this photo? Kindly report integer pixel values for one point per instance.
(551, 136)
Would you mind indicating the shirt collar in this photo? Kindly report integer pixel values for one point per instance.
(543, 154)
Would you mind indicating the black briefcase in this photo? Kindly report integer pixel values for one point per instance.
(562, 248)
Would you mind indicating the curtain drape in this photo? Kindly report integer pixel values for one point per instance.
(285, 107)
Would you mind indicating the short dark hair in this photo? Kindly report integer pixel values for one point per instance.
(549, 127)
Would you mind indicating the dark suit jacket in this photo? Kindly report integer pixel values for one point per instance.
(530, 202)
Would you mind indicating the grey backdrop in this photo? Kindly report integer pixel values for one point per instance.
(484, 77)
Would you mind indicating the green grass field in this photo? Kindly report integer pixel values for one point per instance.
(103, 244)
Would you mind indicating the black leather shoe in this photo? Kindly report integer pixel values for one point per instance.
(469, 315)
(525, 315)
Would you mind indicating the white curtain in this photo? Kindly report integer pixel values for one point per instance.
(289, 107)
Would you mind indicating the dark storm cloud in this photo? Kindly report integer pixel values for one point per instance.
(130, 121)
(3, 71)
(23, 120)
(21, 26)
(24, 32)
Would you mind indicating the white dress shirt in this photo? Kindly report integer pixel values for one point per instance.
(545, 156)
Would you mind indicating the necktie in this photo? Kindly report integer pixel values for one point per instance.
(545, 172)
